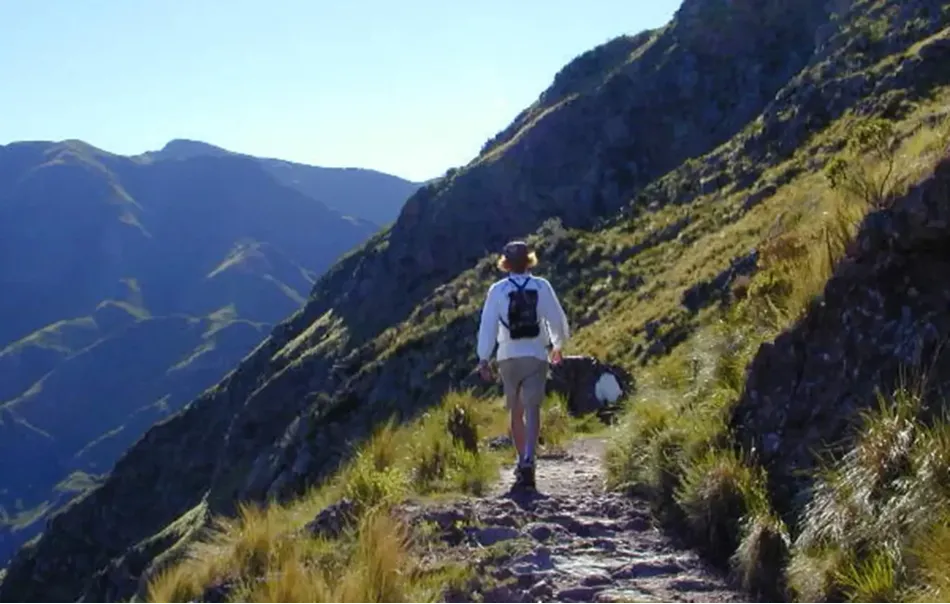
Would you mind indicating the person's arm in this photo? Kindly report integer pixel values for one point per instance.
(554, 314)
(488, 328)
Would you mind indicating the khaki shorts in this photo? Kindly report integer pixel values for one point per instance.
(529, 374)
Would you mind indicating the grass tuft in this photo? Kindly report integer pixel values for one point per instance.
(759, 562)
(381, 568)
(866, 533)
(377, 566)
(812, 575)
(557, 425)
(717, 492)
(874, 578)
(930, 560)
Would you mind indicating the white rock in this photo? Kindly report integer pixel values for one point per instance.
(607, 388)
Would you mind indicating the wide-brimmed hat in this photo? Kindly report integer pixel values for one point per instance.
(517, 253)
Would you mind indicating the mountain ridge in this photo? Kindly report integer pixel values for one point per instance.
(644, 220)
(177, 268)
(335, 187)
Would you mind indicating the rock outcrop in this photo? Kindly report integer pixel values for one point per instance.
(589, 385)
(883, 316)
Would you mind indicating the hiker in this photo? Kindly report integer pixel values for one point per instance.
(528, 310)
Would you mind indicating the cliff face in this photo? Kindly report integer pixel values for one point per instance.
(883, 314)
(389, 328)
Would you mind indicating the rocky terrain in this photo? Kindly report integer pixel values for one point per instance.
(648, 175)
(569, 542)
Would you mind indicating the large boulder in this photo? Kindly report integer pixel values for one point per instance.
(589, 385)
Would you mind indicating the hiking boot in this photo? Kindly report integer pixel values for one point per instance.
(524, 477)
(528, 477)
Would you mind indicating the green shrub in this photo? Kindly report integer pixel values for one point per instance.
(718, 491)
(369, 486)
(869, 169)
(444, 453)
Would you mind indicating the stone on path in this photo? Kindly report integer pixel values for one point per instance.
(574, 542)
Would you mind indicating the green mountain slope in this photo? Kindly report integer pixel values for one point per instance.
(366, 194)
(129, 286)
(144, 371)
(650, 175)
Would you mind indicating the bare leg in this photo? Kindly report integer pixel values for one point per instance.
(533, 428)
(517, 428)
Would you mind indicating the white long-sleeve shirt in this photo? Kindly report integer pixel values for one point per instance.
(554, 327)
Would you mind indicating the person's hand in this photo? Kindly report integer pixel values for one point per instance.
(556, 356)
(484, 371)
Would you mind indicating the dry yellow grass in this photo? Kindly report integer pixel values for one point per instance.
(378, 567)
(263, 554)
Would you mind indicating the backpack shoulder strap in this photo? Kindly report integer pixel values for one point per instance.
(523, 285)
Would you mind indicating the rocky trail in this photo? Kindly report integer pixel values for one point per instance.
(569, 542)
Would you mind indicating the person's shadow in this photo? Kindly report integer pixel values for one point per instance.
(526, 499)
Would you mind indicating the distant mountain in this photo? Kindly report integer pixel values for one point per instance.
(359, 192)
(129, 285)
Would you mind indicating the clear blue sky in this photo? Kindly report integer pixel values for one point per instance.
(410, 87)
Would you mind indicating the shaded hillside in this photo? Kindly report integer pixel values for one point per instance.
(84, 413)
(648, 175)
(128, 288)
(359, 192)
(883, 313)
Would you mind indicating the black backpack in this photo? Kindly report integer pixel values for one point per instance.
(522, 312)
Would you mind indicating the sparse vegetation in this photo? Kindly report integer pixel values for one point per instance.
(251, 556)
(673, 445)
(866, 535)
(557, 425)
(870, 170)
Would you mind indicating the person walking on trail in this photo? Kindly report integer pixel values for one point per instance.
(521, 314)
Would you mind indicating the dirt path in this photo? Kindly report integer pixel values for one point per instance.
(571, 542)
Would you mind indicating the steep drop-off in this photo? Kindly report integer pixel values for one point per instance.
(130, 286)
